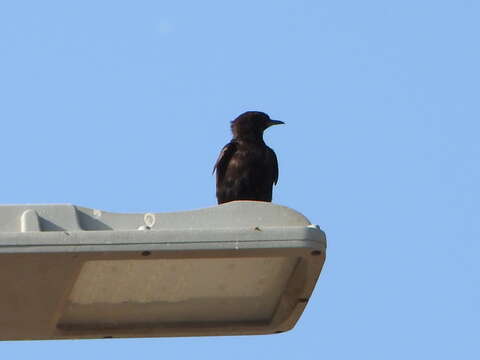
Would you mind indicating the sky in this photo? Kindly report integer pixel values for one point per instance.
(124, 106)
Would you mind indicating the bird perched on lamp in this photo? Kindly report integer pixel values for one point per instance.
(247, 168)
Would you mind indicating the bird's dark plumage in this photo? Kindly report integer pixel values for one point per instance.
(247, 168)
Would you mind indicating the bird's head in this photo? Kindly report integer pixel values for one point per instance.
(252, 124)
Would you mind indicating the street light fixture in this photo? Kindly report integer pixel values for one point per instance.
(73, 272)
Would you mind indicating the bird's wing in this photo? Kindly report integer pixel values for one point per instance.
(272, 159)
(224, 158)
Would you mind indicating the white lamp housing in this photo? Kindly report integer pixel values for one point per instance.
(72, 272)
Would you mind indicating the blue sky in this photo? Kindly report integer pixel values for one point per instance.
(124, 106)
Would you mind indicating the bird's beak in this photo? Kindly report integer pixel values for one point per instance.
(274, 122)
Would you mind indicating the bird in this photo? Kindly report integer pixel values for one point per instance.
(247, 168)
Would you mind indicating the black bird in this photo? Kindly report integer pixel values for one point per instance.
(247, 168)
